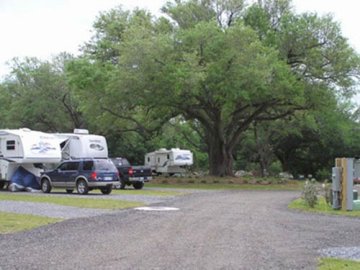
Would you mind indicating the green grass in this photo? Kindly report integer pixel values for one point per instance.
(227, 186)
(10, 222)
(147, 192)
(337, 264)
(321, 207)
(70, 201)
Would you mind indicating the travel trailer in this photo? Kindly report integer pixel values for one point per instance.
(26, 149)
(81, 144)
(169, 162)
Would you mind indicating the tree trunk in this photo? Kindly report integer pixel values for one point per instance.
(220, 158)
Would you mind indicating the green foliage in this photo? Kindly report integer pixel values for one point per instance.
(310, 193)
(38, 97)
(327, 192)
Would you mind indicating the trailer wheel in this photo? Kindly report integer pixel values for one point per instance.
(45, 185)
(82, 187)
(138, 185)
(106, 190)
(2, 184)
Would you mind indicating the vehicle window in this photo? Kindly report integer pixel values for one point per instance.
(104, 165)
(10, 145)
(69, 166)
(88, 165)
(73, 166)
(63, 167)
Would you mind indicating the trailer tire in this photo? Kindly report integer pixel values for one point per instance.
(138, 185)
(45, 185)
(2, 184)
(82, 187)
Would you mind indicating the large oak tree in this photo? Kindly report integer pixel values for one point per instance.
(216, 63)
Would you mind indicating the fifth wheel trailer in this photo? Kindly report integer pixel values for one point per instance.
(27, 149)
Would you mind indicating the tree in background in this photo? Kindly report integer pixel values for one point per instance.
(215, 63)
(37, 96)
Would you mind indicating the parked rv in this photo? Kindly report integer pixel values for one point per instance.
(131, 175)
(26, 150)
(169, 162)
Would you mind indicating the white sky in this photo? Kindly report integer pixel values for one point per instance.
(44, 28)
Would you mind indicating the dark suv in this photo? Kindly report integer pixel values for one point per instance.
(82, 174)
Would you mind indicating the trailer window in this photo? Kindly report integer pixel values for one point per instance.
(10, 145)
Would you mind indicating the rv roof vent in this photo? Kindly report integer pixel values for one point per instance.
(81, 131)
(26, 129)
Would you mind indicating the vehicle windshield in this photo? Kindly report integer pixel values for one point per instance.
(104, 165)
(121, 162)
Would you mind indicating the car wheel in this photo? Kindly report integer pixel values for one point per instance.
(106, 190)
(138, 185)
(45, 185)
(69, 191)
(82, 187)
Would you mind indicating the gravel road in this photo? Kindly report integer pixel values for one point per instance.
(211, 230)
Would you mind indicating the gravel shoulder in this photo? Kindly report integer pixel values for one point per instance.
(211, 230)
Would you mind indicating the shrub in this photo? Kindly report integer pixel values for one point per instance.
(310, 193)
(323, 174)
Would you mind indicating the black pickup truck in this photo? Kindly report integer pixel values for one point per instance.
(131, 175)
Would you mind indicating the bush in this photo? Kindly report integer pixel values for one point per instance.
(310, 193)
(323, 174)
(327, 192)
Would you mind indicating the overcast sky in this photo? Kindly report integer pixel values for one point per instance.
(44, 28)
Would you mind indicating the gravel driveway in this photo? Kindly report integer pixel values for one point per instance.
(211, 230)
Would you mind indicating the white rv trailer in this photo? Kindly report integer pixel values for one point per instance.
(171, 161)
(81, 144)
(26, 148)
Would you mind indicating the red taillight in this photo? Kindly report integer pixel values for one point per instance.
(131, 171)
(93, 175)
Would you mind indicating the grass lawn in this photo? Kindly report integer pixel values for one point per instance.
(212, 183)
(10, 222)
(337, 264)
(70, 201)
(146, 192)
(321, 207)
